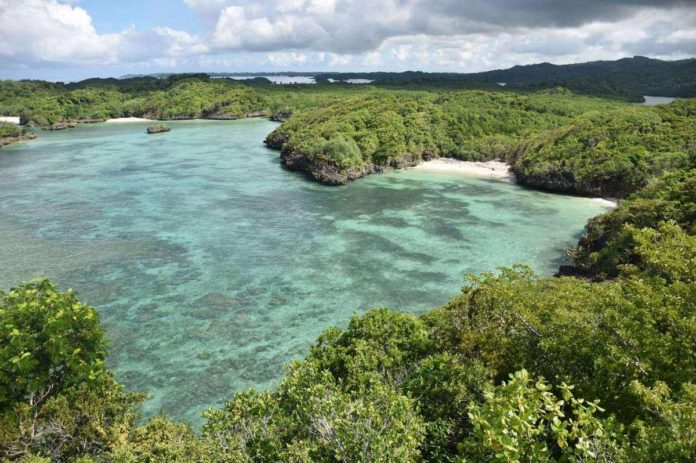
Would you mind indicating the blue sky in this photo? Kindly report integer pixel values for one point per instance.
(117, 15)
(75, 39)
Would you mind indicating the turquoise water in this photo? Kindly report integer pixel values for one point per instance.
(212, 266)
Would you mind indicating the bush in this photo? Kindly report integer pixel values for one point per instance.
(524, 421)
(342, 151)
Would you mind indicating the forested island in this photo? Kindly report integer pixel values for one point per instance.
(596, 364)
(10, 133)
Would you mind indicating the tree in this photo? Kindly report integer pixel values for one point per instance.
(48, 342)
(88, 419)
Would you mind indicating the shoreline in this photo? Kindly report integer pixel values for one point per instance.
(496, 170)
(122, 120)
(125, 120)
(12, 140)
(609, 202)
(488, 169)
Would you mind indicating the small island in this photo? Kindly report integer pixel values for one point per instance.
(159, 128)
(10, 133)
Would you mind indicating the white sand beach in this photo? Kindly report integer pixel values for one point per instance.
(120, 120)
(607, 202)
(488, 169)
(10, 119)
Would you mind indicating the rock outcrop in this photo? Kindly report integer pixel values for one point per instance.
(60, 126)
(281, 116)
(333, 174)
(159, 128)
(566, 182)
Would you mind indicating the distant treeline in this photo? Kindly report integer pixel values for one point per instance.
(626, 79)
(180, 96)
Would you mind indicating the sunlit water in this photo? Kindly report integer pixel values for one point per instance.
(275, 79)
(212, 266)
(657, 100)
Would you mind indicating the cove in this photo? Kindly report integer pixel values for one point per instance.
(212, 266)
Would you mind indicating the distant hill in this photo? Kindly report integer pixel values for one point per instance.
(635, 76)
(626, 79)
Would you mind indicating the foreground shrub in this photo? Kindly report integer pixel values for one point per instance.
(524, 421)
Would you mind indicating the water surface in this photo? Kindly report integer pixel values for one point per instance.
(657, 100)
(212, 266)
(283, 80)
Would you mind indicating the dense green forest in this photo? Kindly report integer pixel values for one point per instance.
(182, 96)
(596, 366)
(628, 78)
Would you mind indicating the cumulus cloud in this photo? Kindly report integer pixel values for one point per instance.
(543, 13)
(356, 26)
(453, 35)
(208, 9)
(237, 30)
(286, 58)
(48, 31)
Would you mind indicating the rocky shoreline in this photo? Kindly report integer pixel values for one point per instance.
(332, 174)
(4, 141)
(566, 183)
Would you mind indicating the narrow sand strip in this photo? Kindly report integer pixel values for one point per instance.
(607, 202)
(488, 169)
(10, 119)
(120, 120)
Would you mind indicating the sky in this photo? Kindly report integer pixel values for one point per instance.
(75, 39)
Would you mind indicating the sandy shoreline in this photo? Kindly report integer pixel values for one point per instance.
(10, 119)
(120, 120)
(488, 169)
(607, 202)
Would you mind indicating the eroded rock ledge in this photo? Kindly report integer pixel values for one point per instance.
(4, 141)
(566, 183)
(330, 173)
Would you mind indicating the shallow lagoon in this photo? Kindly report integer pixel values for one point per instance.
(212, 266)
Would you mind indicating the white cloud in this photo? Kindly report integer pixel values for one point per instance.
(437, 35)
(209, 5)
(336, 60)
(50, 31)
(286, 58)
(235, 30)
(37, 31)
